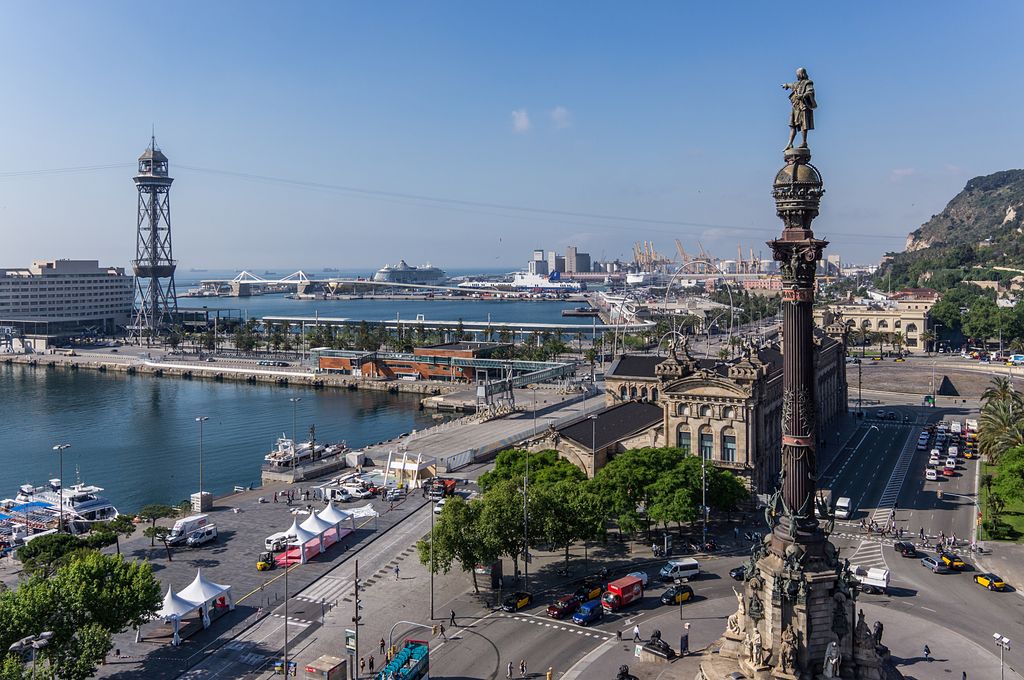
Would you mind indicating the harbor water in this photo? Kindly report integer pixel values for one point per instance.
(137, 436)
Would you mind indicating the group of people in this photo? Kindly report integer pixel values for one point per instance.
(291, 495)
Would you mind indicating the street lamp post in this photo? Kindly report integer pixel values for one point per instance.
(59, 448)
(1003, 643)
(704, 497)
(534, 390)
(287, 568)
(201, 420)
(33, 643)
(295, 441)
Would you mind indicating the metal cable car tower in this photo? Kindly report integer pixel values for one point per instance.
(156, 301)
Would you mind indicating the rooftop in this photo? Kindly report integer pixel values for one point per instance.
(613, 424)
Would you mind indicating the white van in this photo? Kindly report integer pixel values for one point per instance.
(204, 535)
(683, 568)
(276, 542)
(843, 510)
(184, 527)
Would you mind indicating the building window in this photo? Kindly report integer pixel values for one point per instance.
(729, 413)
(707, 445)
(654, 394)
(683, 440)
(705, 411)
(643, 393)
(729, 448)
(632, 392)
(622, 393)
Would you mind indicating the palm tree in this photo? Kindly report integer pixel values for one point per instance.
(863, 337)
(1017, 346)
(1001, 390)
(1001, 424)
(898, 342)
(928, 338)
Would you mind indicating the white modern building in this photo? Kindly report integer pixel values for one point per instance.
(66, 297)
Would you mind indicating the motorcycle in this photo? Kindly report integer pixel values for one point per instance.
(658, 550)
(753, 536)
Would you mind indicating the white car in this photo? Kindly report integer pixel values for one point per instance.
(933, 461)
(951, 462)
(642, 575)
(931, 475)
(439, 506)
(358, 492)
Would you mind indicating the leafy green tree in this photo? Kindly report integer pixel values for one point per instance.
(83, 603)
(501, 520)
(457, 537)
(1009, 480)
(152, 513)
(110, 533)
(546, 468)
(44, 554)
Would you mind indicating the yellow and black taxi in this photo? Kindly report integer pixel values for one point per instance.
(563, 607)
(516, 601)
(590, 590)
(952, 561)
(677, 594)
(990, 581)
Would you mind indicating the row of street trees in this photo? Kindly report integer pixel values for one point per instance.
(1001, 443)
(636, 491)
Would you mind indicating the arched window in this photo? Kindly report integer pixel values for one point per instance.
(623, 393)
(866, 324)
(683, 439)
(911, 328)
(682, 410)
(632, 392)
(729, 413)
(654, 394)
(705, 411)
(643, 393)
(729, 445)
(883, 324)
(707, 443)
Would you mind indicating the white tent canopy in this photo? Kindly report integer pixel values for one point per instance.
(197, 595)
(299, 536)
(316, 525)
(332, 515)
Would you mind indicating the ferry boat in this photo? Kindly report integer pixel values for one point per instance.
(527, 282)
(404, 273)
(82, 502)
(286, 454)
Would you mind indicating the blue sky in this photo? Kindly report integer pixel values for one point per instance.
(667, 116)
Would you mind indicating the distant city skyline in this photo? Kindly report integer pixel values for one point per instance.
(351, 136)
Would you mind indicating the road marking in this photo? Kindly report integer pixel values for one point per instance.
(895, 484)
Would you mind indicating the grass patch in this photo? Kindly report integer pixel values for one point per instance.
(1011, 520)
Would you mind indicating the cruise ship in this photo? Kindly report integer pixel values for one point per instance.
(404, 273)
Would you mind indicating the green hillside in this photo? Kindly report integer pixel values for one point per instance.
(982, 227)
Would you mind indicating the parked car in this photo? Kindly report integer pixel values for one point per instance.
(934, 565)
(990, 581)
(948, 471)
(677, 594)
(200, 536)
(905, 548)
(439, 506)
(516, 601)
(931, 475)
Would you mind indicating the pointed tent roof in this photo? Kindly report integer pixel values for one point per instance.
(302, 536)
(316, 525)
(333, 515)
(202, 590)
(176, 606)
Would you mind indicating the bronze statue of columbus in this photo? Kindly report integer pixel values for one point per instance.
(802, 97)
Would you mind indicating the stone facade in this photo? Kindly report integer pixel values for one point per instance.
(907, 316)
(730, 411)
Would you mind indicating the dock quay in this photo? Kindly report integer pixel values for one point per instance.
(224, 371)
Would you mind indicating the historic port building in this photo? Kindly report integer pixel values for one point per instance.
(729, 412)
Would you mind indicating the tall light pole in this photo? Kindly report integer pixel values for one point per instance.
(431, 564)
(534, 390)
(59, 448)
(287, 568)
(704, 497)
(201, 420)
(1003, 643)
(295, 434)
(33, 643)
(526, 526)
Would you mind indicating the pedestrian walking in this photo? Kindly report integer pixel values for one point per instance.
(362, 664)
(275, 496)
(382, 645)
(927, 653)
(370, 663)
(522, 667)
(396, 572)
(549, 673)
(736, 533)
(684, 640)
(508, 671)
(451, 620)
(441, 627)
(618, 635)
(636, 633)
(922, 533)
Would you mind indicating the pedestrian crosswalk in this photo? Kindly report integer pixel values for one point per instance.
(869, 554)
(891, 493)
(557, 625)
(327, 589)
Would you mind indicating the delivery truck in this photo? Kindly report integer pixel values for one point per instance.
(873, 579)
(440, 487)
(622, 593)
(185, 526)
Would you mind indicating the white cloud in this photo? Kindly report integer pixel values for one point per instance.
(520, 120)
(898, 174)
(560, 117)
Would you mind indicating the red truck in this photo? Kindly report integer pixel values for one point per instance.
(622, 593)
(440, 487)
